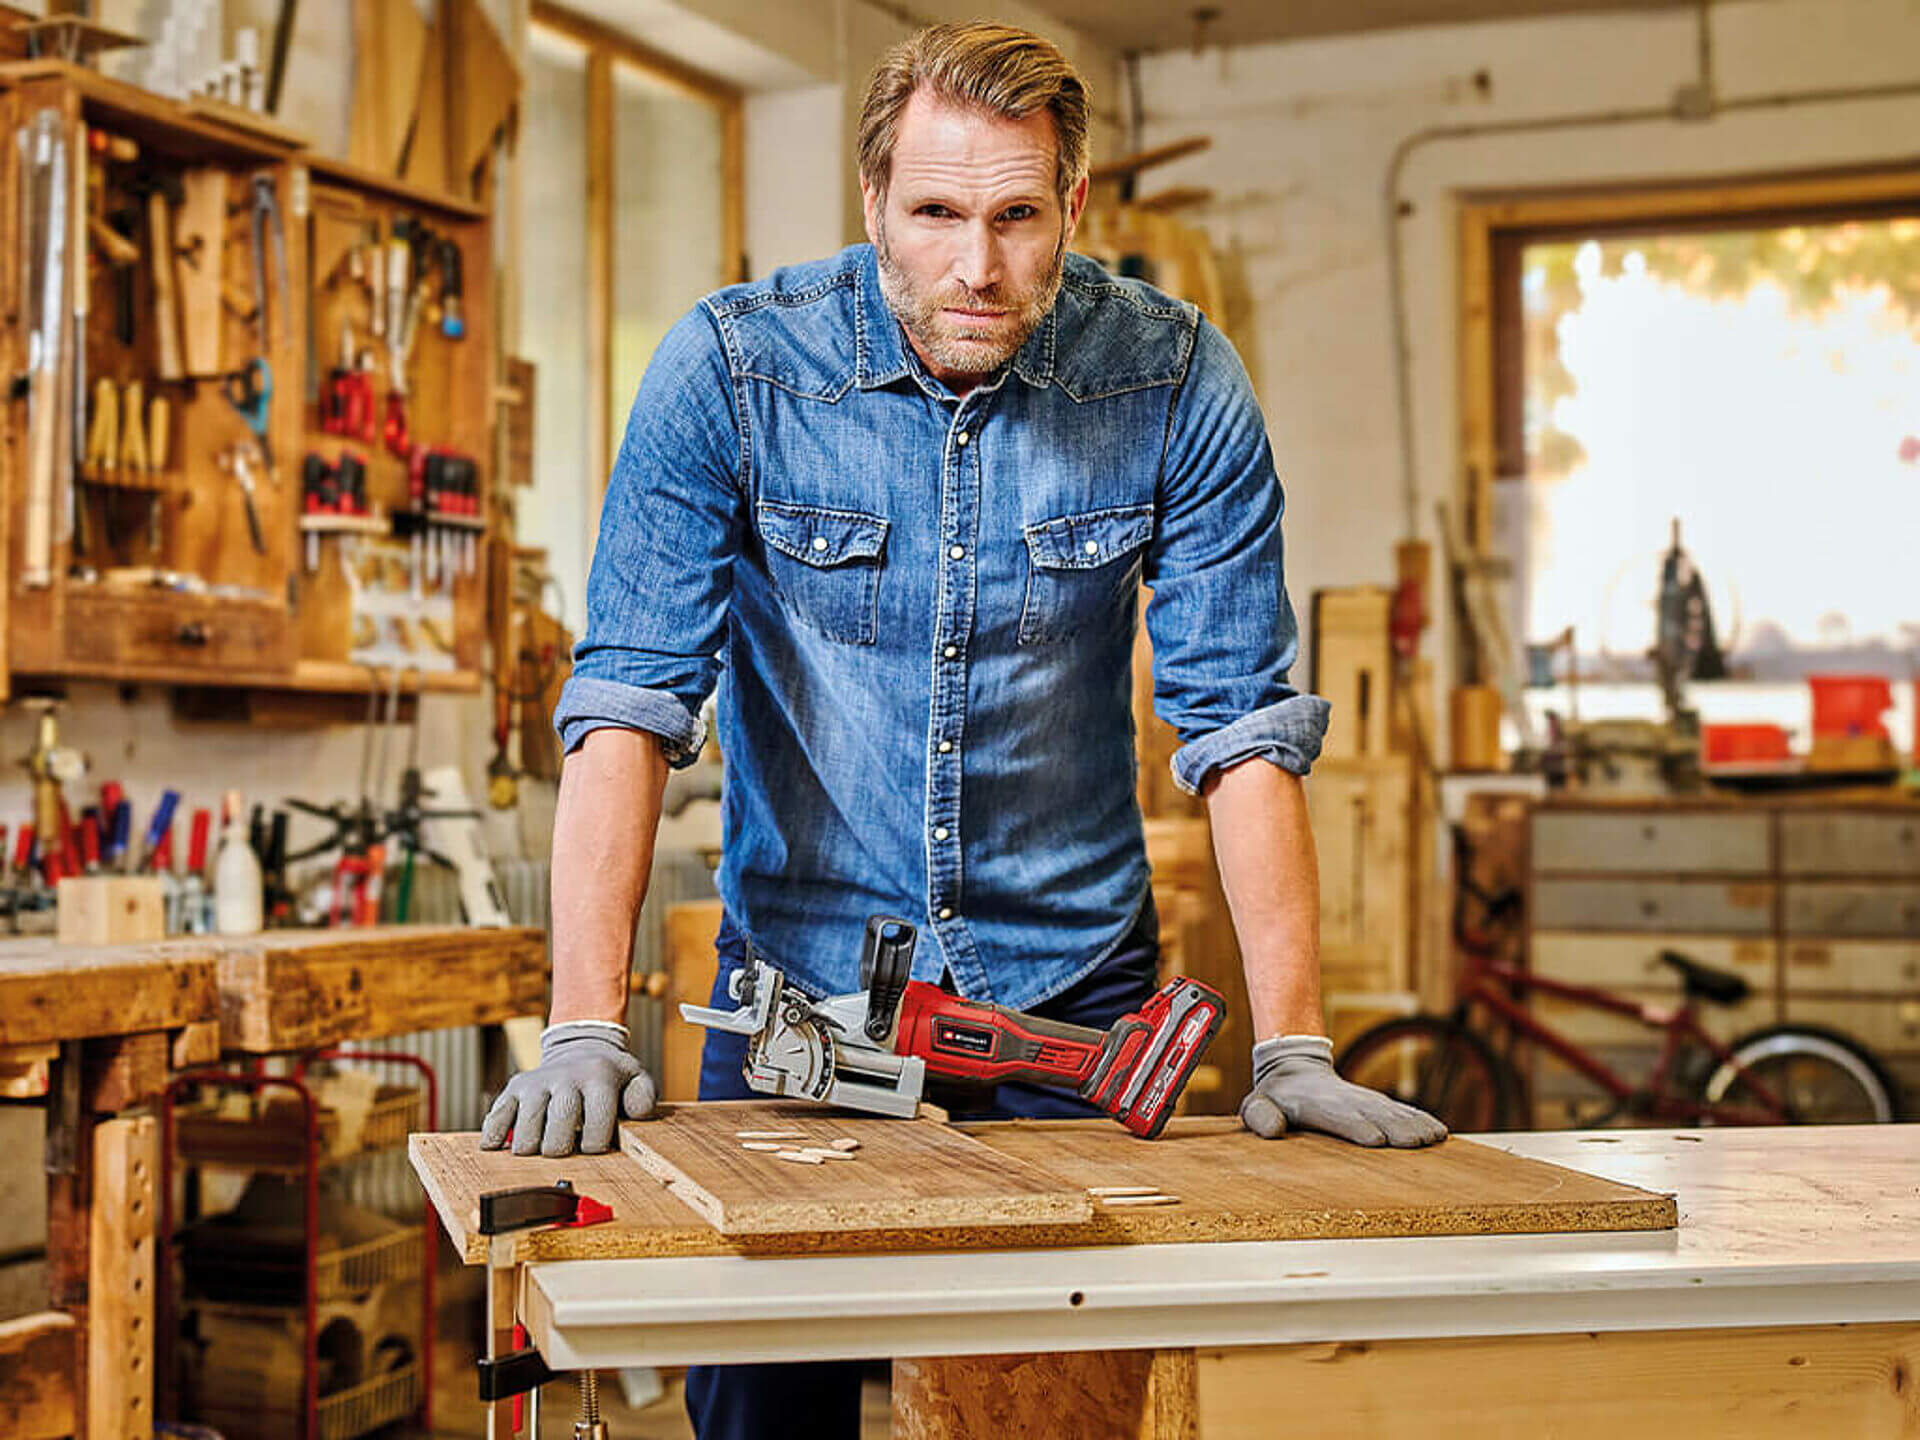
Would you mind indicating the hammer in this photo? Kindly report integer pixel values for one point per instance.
(162, 191)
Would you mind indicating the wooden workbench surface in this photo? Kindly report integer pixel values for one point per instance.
(50, 993)
(277, 991)
(1232, 1186)
(301, 989)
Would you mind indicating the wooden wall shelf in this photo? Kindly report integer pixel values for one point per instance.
(302, 629)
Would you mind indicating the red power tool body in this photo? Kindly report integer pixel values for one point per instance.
(1134, 1071)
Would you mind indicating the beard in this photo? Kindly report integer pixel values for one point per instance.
(960, 349)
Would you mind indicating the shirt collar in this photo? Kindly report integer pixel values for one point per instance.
(881, 347)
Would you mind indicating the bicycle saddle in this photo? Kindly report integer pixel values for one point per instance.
(1703, 982)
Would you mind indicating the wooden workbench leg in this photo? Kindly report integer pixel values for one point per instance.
(69, 1210)
(119, 1384)
(1095, 1395)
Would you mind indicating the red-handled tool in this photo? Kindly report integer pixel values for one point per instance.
(872, 1049)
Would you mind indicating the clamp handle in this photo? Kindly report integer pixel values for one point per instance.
(886, 964)
(505, 1210)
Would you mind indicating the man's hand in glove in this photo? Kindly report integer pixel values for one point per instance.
(585, 1081)
(1295, 1088)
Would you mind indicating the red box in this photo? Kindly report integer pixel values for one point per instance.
(1850, 704)
(1744, 744)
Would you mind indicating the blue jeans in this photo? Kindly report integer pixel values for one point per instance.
(821, 1399)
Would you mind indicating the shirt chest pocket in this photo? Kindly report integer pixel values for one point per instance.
(1081, 568)
(825, 564)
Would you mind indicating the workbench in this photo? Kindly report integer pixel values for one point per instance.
(1787, 1301)
(95, 1032)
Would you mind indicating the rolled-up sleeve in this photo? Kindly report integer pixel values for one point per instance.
(663, 564)
(1223, 631)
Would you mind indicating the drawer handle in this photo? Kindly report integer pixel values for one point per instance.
(192, 633)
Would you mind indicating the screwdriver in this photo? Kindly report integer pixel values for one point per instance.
(158, 830)
(193, 885)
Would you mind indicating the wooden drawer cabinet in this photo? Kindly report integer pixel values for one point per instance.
(1715, 907)
(1633, 961)
(1887, 1025)
(1845, 842)
(1884, 967)
(117, 635)
(1819, 908)
(1650, 842)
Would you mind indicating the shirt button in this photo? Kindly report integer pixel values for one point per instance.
(961, 438)
(957, 552)
(950, 651)
(819, 542)
(1093, 547)
(940, 832)
(945, 746)
(946, 914)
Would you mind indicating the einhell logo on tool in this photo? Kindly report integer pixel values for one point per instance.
(964, 1039)
(1190, 1035)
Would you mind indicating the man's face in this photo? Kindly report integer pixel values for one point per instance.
(971, 233)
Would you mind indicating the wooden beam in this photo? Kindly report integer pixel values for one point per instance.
(600, 298)
(1096, 1395)
(1760, 1384)
(36, 1376)
(733, 193)
(599, 38)
(126, 1161)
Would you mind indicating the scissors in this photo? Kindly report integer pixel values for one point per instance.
(250, 391)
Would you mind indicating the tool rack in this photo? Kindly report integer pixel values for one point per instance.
(256, 617)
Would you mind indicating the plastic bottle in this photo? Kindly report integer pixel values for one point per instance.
(237, 881)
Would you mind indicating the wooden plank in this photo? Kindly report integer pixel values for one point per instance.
(126, 1159)
(599, 38)
(1302, 1187)
(908, 1174)
(25, 1070)
(50, 994)
(1754, 1384)
(600, 292)
(1097, 1395)
(483, 92)
(691, 963)
(297, 989)
(36, 1376)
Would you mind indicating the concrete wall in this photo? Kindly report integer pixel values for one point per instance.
(1303, 134)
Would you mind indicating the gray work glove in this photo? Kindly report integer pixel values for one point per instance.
(585, 1080)
(1295, 1088)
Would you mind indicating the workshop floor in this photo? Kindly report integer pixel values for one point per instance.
(456, 1412)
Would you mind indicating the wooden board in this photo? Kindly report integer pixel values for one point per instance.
(1302, 1187)
(906, 1174)
(50, 994)
(36, 1376)
(296, 989)
(126, 1161)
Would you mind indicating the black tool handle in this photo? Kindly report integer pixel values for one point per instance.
(886, 964)
(504, 1210)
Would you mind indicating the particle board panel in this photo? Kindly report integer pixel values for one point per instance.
(1232, 1186)
(906, 1174)
(49, 994)
(297, 989)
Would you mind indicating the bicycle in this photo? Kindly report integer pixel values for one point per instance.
(1777, 1075)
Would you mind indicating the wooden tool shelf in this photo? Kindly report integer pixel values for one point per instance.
(157, 575)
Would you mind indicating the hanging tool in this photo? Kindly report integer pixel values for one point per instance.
(52, 766)
(250, 391)
(162, 190)
(103, 433)
(237, 461)
(267, 227)
(872, 1049)
(44, 199)
(453, 319)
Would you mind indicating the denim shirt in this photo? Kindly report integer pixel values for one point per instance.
(920, 613)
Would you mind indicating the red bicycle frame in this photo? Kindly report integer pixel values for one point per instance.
(1679, 1022)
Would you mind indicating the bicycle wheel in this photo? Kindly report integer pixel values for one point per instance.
(1435, 1064)
(1821, 1076)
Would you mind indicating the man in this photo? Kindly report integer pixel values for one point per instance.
(898, 504)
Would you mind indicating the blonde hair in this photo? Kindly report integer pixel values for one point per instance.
(997, 68)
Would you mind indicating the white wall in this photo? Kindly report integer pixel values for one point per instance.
(1303, 134)
(797, 162)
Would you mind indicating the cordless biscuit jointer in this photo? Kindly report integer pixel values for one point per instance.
(874, 1048)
